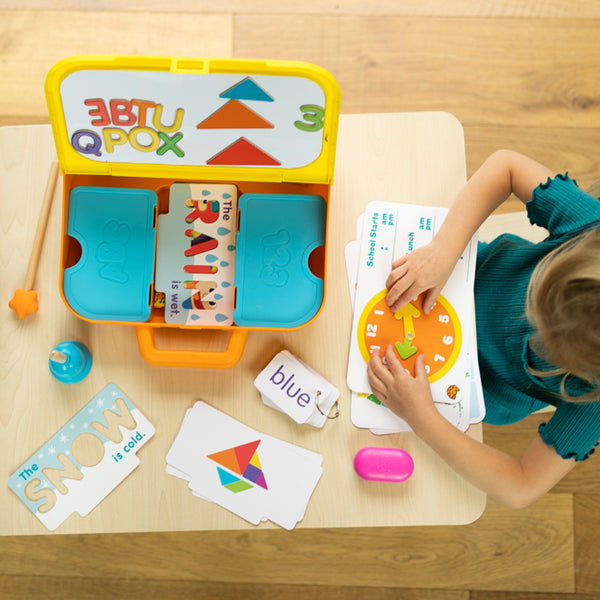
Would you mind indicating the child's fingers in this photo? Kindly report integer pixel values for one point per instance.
(399, 261)
(396, 276)
(430, 298)
(420, 371)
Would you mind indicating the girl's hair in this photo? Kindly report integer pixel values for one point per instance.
(563, 303)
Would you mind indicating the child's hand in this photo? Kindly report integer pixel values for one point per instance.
(408, 397)
(425, 269)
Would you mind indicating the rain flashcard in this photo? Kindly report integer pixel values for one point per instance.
(195, 259)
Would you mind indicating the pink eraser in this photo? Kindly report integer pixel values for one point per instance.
(384, 464)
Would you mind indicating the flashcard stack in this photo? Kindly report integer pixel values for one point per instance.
(446, 336)
(85, 460)
(195, 258)
(289, 385)
(251, 474)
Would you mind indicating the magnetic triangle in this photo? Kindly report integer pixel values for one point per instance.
(244, 453)
(242, 152)
(247, 89)
(228, 459)
(234, 115)
(262, 481)
(226, 477)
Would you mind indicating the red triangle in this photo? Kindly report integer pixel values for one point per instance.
(242, 152)
(244, 454)
(235, 115)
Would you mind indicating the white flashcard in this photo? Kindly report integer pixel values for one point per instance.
(292, 387)
(82, 463)
(384, 232)
(247, 472)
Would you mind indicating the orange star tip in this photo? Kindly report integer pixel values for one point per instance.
(24, 303)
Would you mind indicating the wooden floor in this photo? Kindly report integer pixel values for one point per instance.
(522, 74)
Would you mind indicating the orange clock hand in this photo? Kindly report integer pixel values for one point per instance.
(407, 313)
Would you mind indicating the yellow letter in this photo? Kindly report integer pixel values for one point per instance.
(154, 144)
(120, 138)
(156, 120)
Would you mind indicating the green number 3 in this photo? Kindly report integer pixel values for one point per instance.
(312, 118)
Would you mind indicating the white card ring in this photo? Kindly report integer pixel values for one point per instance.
(336, 404)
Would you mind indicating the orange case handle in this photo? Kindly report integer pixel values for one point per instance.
(190, 358)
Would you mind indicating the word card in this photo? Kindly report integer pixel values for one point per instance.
(446, 336)
(195, 258)
(85, 460)
(251, 474)
(292, 387)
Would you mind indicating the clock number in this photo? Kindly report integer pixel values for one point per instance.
(373, 349)
(439, 358)
(447, 339)
(444, 319)
(371, 330)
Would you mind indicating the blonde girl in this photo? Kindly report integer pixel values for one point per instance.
(538, 329)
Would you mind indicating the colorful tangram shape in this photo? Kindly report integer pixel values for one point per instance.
(243, 461)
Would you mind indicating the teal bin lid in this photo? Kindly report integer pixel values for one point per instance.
(277, 234)
(115, 229)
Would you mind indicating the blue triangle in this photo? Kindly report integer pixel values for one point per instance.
(226, 477)
(246, 90)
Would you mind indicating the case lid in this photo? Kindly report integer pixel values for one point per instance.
(218, 119)
(275, 286)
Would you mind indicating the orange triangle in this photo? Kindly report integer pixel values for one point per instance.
(227, 459)
(235, 115)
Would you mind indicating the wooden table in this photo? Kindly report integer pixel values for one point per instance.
(414, 158)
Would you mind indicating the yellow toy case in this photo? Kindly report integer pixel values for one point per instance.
(196, 194)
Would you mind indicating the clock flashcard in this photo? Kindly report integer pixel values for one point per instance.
(85, 460)
(391, 230)
(247, 472)
(195, 258)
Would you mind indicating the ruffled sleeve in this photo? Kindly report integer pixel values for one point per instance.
(574, 429)
(562, 208)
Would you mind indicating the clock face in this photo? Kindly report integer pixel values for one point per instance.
(412, 332)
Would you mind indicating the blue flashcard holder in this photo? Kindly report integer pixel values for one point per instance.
(275, 287)
(115, 230)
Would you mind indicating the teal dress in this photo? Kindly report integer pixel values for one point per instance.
(504, 268)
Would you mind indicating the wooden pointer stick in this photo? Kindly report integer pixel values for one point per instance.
(24, 301)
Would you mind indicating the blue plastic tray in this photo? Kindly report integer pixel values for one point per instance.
(277, 233)
(115, 228)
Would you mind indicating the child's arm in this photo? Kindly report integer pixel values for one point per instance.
(428, 268)
(513, 482)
